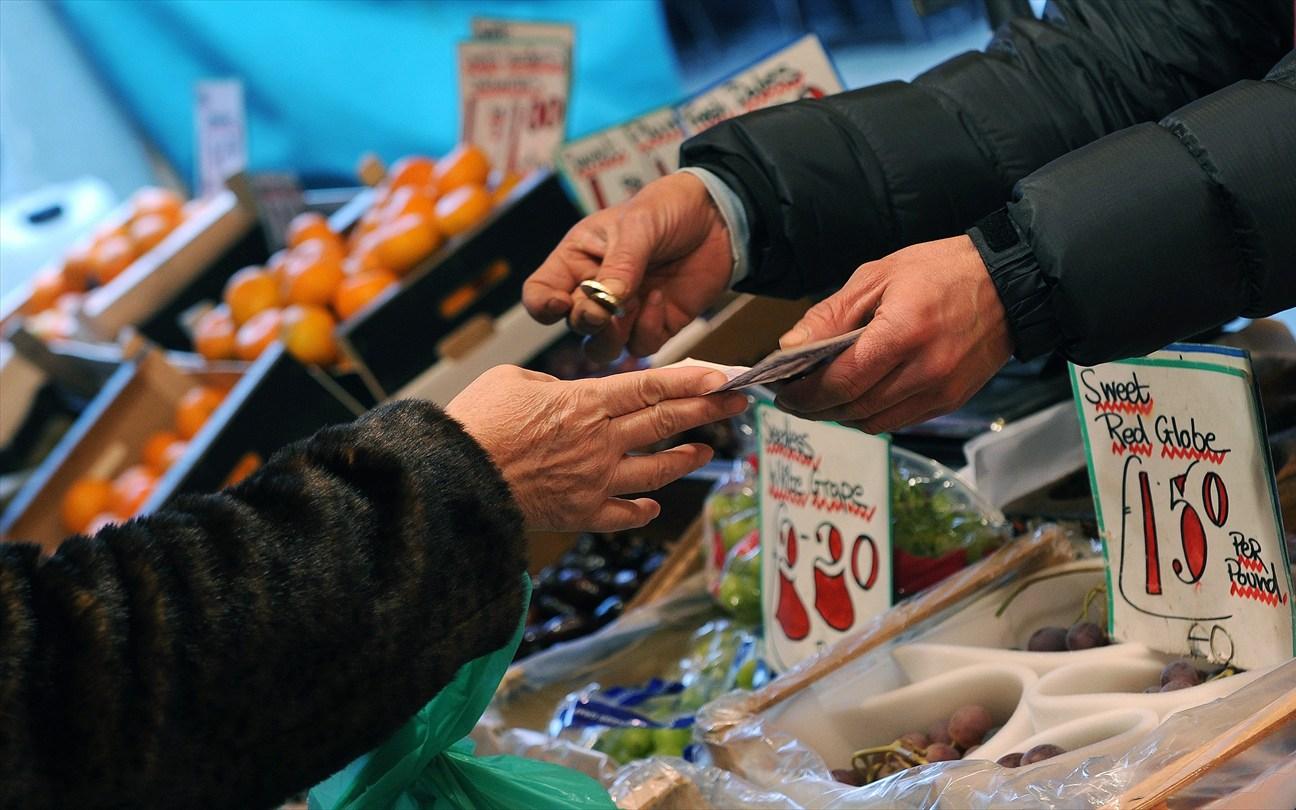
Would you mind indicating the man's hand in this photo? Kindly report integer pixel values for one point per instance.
(665, 253)
(936, 336)
(564, 447)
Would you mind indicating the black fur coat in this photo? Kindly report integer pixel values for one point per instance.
(235, 648)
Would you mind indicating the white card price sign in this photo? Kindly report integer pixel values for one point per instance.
(1186, 505)
(825, 495)
(220, 126)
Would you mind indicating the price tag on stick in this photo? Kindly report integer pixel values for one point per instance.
(220, 127)
(825, 517)
(1186, 505)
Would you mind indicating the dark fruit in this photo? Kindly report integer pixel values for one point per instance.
(968, 725)
(915, 741)
(1175, 684)
(563, 628)
(938, 732)
(1040, 753)
(1180, 671)
(625, 583)
(1048, 639)
(941, 752)
(608, 610)
(1084, 636)
(1012, 760)
(575, 587)
(847, 776)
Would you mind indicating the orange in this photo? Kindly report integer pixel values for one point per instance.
(147, 231)
(173, 453)
(249, 291)
(194, 408)
(84, 501)
(408, 200)
(214, 334)
(248, 464)
(462, 209)
(257, 334)
(100, 522)
(413, 170)
(501, 183)
(464, 165)
(358, 290)
(77, 266)
(311, 275)
(276, 264)
(308, 334)
(111, 256)
(403, 243)
(46, 288)
(157, 450)
(131, 489)
(309, 225)
(153, 200)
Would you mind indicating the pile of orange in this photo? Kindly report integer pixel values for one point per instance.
(91, 503)
(151, 214)
(322, 277)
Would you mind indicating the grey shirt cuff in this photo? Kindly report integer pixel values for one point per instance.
(735, 220)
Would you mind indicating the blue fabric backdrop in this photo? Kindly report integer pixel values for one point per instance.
(326, 80)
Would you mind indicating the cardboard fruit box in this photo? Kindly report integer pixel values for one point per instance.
(138, 400)
(478, 274)
(276, 402)
(190, 265)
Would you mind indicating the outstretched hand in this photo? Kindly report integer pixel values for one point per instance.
(564, 447)
(665, 253)
(936, 333)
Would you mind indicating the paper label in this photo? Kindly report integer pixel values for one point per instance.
(657, 137)
(494, 28)
(801, 70)
(220, 128)
(513, 96)
(825, 495)
(604, 168)
(1186, 505)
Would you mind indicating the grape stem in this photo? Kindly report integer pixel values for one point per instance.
(1093, 594)
(1041, 578)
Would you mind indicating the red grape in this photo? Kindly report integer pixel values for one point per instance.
(1180, 671)
(940, 752)
(1012, 760)
(1085, 635)
(1048, 639)
(968, 725)
(1040, 753)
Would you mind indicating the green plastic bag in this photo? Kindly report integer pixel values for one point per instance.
(429, 765)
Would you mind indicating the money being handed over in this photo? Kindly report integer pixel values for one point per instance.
(783, 364)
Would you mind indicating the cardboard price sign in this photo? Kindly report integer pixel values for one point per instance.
(825, 517)
(610, 166)
(1186, 505)
(801, 70)
(220, 127)
(514, 96)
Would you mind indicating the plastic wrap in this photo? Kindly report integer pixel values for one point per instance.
(1261, 774)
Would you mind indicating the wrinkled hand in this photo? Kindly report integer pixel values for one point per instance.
(936, 336)
(665, 253)
(562, 446)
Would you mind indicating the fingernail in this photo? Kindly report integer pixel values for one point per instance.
(794, 337)
(714, 380)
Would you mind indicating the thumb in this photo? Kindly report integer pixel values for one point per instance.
(630, 247)
(835, 315)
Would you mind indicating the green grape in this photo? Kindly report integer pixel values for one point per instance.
(746, 676)
(671, 742)
(637, 742)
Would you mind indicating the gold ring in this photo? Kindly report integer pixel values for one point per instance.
(602, 296)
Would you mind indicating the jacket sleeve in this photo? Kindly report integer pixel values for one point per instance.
(234, 648)
(831, 183)
(1155, 233)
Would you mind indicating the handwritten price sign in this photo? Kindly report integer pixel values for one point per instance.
(1186, 505)
(825, 498)
(220, 128)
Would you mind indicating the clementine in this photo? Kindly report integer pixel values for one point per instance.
(194, 408)
(462, 209)
(249, 291)
(257, 334)
(357, 290)
(214, 334)
(84, 500)
(308, 334)
(463, 165)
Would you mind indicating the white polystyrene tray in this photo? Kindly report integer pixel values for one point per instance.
(1089, 702)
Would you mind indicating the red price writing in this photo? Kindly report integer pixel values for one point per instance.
(545, 114)
(1192, 531)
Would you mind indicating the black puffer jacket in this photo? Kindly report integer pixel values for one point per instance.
(831, 183)
(1154, 233)
(238, 647)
